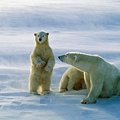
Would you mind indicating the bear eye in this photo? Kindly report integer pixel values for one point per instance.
(65, 55)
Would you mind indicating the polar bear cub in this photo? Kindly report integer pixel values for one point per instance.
(72, 79)
(42, 63)
(102, 78)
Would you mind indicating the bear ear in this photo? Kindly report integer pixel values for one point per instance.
(47, 33)
(35, 34)
(76, 57)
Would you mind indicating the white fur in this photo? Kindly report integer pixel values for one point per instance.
(101, 78)
(72, 79)
(42, 63)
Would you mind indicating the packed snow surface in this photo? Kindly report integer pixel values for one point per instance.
(89, 26)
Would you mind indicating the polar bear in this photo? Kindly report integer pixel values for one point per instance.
(42, 63)
(72, 79)
(102, 78)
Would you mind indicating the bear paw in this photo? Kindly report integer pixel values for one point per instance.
(88, 101)
(46, 92)
(62, 90)
(48, 69)
(40, 64)
(35, 93)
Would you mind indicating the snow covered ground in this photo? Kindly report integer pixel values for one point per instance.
(91, 26)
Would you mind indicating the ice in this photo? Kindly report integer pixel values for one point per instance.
(79, 25)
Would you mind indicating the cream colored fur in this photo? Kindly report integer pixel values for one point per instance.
(42, 63)
(72, 79)
(102, 78)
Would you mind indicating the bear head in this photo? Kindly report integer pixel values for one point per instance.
(81, 61)
(69, 57)
(72, 57)
(41, 37)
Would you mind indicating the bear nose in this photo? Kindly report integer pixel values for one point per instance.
(59, 57)
(40, 39)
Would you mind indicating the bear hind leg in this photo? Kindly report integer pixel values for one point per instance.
(45, 87)
(33, 86)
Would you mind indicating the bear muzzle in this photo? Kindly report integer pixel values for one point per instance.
(60, 57)
(40, 39)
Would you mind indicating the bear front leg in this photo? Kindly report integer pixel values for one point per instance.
(50, 65)
(63, 84)
(87, 80)
(95, 90)
(38, 61)
(71, 83)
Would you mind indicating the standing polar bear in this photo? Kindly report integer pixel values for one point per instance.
(42, 63)
(101, 78)
(72, 79)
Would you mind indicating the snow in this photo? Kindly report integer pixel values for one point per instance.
(79, 25)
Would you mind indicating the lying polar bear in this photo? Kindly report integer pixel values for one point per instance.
(101, 78)
(72, 79)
